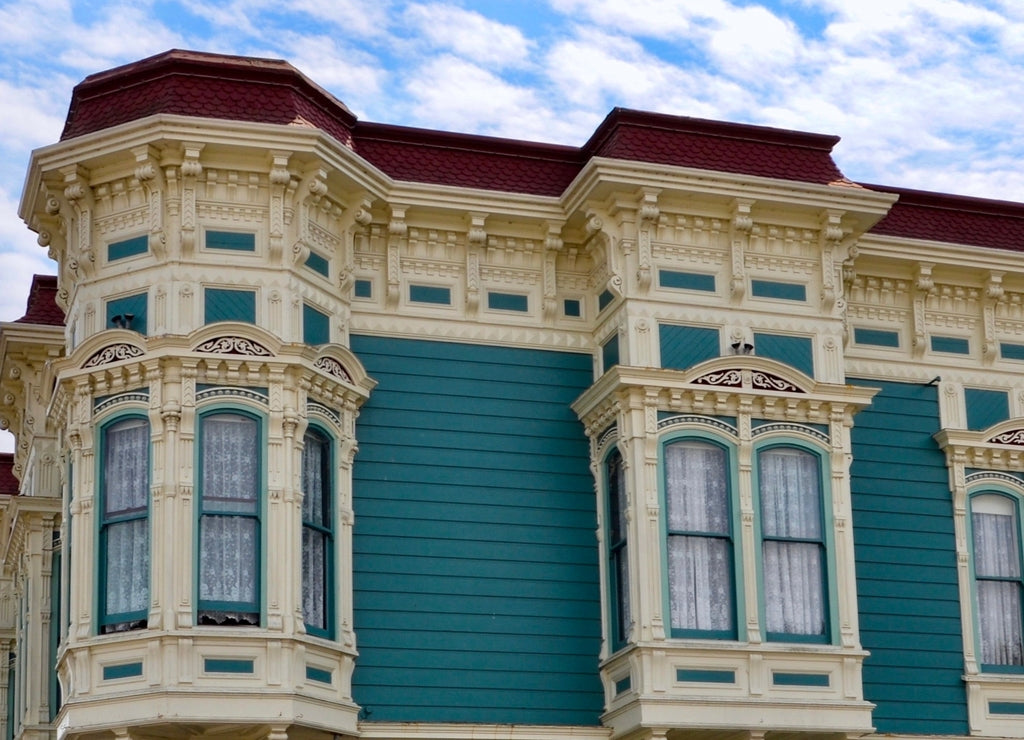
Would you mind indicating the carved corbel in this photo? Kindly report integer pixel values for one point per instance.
(599, 244)
(309, 192)
(79, 194)
(190, 169)
(355, 225)
(398, 233)
(151, 178)
(553, 244)
(924, 286)
(280, 188)
(831, 235)
(476, 240)
(740, 226)
(994, 292)
(647, 220)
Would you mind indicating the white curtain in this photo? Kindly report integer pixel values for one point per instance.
(792, 549)
(997, 570)
(229, 527)
(699, 547)
(316, 513)
(125, 501)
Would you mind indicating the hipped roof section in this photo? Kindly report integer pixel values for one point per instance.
(204, 85)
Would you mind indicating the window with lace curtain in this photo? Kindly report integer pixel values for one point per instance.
(618, 549)
(317, 532)
(231, 477)
(996, 561)
(124, 524)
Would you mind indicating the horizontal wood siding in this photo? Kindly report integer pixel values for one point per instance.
(906, 565)
(475, 561)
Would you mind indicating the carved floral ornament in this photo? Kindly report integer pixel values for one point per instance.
(333, 367)
(113, 353)
(759, 379)
(1013, 437)
(232, 345)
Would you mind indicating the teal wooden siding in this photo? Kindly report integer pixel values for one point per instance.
(794, 351)
(475, 562)
(985, 407)
(906, 564)
(685, 346)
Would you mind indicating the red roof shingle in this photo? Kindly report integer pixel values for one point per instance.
(8, 483)
(41, 307)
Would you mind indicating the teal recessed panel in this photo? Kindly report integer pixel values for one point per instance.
(318, 674)
(951, 345)
(228, 665)
(623, 685)
(695, 675)
(316, 326)
(127, 248)
(905, 550)
(782, 291)
(572, 307)
(794, 351)
(604, 300)
(430, 294)
(364, 289)
(230, 305)
(686, 280)
(1006, 707)
(1011, 351)
(233, 240)
(876, 337)
(475, 568)
(318, 263)
(800, 679)
(985, 407)
(128, 313)
(610, 353)
(122, 670)
(685, 346)
(507, 301)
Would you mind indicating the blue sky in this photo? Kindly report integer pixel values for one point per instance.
(924, 93)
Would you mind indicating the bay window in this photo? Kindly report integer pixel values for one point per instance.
(995, 541)
(231, 478)
(124, 525)
(317, 532)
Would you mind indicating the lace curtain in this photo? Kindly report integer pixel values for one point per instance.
(316, 513)
(996, 560)
(229, 527)
(125, 501)
(699, 545)
(791, 528)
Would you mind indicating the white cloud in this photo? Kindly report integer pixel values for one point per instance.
(469, 34)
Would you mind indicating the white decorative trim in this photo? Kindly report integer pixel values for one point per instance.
(795, 428)
(772, 382)
(102, 404)
(312, 407)
(696, 419)
(113, 353)
(425, 731)
(728, 378)
(1009, 437)
(234, 346)
(253, 394)
(331, 366)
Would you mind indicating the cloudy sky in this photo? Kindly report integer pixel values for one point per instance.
(926, 94)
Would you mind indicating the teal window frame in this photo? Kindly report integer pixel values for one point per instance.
(1014, 500)
(319, 527)
(231, 612)
(734, 570)
(824, 542)
(119, 621)
(617, 527)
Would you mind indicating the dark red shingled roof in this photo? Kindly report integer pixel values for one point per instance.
(8, 483)
(42, 305)
(206, 86)
(956, 219)
(272, 91)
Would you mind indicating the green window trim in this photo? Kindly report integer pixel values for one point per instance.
(318, 496)
(123, 523)
(229, 516)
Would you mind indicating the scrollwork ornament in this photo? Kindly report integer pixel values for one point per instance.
(234, 346)
(332, 367)
(113, 353)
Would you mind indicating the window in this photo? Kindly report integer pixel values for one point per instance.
(618, 550)
(223, 304)
(128, 313)
(699, 540)
(792, 545)
(124, 525)
(317, 532)
(316, 326)
(995, 541)
(231, 477)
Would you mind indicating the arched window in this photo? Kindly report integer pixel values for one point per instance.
(317, 532)
(124, 524)
(699, 539)
(231, 478)
(995, 542)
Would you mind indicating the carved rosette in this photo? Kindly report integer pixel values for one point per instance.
(113, 353)
(234, 346)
